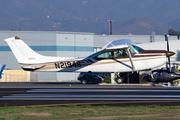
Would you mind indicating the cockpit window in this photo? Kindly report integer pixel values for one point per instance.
(120, 53)
(113, 54)
(105, 55)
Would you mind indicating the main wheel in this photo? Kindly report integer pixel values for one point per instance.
(84, 82)
(119, 80)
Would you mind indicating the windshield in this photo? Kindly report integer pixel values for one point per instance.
(137, 48)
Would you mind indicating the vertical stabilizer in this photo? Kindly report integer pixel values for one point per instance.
(22, 52)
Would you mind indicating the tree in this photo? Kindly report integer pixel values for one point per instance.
(173, 32)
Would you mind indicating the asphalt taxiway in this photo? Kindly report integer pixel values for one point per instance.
(75, 93)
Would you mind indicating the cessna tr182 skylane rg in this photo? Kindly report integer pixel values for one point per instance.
(115, 57)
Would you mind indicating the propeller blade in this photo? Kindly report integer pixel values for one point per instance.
(169, 61)
(166, 38)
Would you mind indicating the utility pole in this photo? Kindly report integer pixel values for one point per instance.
(110, 21)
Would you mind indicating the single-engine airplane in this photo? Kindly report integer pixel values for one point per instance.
(115, 57)
(3, 67)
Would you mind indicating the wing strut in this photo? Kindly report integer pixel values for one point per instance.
(130, 57)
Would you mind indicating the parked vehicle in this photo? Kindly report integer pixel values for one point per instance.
(90, 78)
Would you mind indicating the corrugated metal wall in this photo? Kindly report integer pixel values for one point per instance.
(15, 76)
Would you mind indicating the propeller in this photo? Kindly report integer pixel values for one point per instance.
(169, 61)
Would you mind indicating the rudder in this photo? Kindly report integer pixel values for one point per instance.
(22, 52)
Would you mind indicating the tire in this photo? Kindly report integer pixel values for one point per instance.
(172, 83)
(84, 82)
(119, 80)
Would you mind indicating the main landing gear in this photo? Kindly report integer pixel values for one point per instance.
(118, 79)
(126, 77)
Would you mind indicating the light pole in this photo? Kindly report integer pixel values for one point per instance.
(110, 21)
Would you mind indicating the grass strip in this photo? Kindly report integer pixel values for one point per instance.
(90, 112)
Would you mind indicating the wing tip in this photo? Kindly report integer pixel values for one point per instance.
(12, 38)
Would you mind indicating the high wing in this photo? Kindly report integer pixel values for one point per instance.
(3, 67)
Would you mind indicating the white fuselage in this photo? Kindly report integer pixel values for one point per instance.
(109, 65)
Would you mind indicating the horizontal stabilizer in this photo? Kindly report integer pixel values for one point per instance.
(32, 68)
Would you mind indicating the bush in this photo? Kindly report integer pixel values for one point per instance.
(107, 79)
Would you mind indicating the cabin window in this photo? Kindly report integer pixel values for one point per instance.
(105, 55)
(120, 53)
